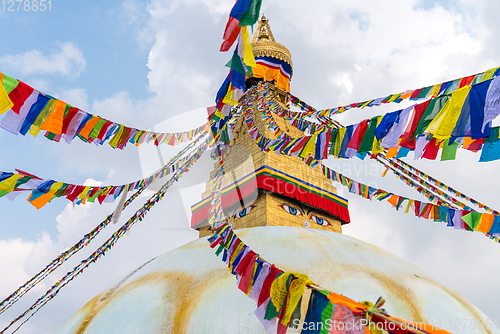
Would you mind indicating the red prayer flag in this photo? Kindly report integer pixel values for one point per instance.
(19, 95)
(412, 125)
(230, 33)
(431, 149)
(357, 137)
(466, 81)
(415, 94)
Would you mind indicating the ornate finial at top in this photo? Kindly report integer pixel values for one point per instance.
(263, 31)
(264, 44)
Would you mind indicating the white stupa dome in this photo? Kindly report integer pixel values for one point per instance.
(190, 290)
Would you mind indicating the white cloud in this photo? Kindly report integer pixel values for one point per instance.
(25, 258)
(76, 97)
(68, 61)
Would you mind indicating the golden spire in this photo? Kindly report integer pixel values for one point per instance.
(264, 44)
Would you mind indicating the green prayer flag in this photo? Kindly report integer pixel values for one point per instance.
(327, 314)
(366, 144)
(97, 128)
(424, 92)
(236, 64)
(9, 83)
(251, 16)
(332, 141)
(92, 199)
(50, 135)
(494, 135)
(271, 311)
(22, 180)
(472, 219)
(449, 151)
(224, 135)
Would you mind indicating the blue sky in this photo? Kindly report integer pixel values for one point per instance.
(112, 64)
(142, 62)
(100, 30)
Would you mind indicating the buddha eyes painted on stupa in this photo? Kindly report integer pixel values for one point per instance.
(301, 210)
(244, 212)
(291, 210)
(319, 221)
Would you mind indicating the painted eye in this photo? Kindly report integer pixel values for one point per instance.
(291, 210)
(320, 221)
(244, 212)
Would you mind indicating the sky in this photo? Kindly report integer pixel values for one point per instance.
(156, 64)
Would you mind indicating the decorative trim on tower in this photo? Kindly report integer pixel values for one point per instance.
(264, 44)
(273, 180)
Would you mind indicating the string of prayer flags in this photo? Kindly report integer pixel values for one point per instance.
(42, 191)
(429, 194)
(455, 120)
(309, 111)
(486, 223)
(244, 13)
(278, 294)
(267, 104)
(64, 256)
(27, 110)
(403, 165)
(309, 148)
(421, 93)
(409, 177)
(105, 247)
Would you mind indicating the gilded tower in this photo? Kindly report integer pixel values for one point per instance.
(268, 189)
(190, 291)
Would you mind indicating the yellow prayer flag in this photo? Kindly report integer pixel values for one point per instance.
(435, 90)
(250, 286)
(228, 99)
(55, 187)
(376, 143)
(10, 183)
(489, 74)
(35, 127)
(5, 101)
(248, 57)
(235, 253)
(394, 97)
(410, 202)
(84, 193)
(295, 291)
(309, 148)
(366, 103)
(114, 141)
(445, 121)
(338, 142)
